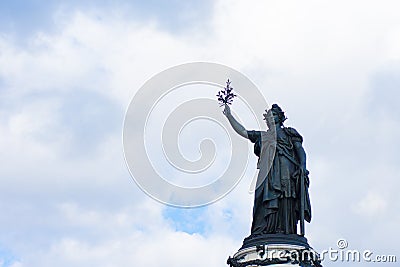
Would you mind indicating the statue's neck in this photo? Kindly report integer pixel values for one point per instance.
(277, 127)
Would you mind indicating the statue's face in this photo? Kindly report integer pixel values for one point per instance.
(277, 119)
(275, 116)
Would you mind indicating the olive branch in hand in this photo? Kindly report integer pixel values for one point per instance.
(225, 96)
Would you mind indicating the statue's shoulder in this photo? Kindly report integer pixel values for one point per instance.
(294, 134)
(256, 136)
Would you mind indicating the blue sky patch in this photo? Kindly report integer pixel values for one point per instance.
(186, 220)
(23, 18)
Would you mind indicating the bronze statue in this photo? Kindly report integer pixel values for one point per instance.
(281, 196)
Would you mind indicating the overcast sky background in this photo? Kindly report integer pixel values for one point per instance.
(68, 71)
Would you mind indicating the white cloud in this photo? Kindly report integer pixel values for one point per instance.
(372, 204)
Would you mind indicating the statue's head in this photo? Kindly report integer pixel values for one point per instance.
(275, 115)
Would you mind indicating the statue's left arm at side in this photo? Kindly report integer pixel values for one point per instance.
(234, 123)
(297, 140)
(301, 154)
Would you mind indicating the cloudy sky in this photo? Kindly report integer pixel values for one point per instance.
(68, 71)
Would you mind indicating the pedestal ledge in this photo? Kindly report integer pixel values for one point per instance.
(275, 250)
(267, 239)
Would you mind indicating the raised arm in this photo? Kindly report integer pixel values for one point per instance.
(234, 123)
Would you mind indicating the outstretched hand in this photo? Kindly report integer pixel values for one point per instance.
(227, 110)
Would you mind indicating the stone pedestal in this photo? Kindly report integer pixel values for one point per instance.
(275, 250)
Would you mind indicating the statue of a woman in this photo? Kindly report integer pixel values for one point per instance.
(281, 196)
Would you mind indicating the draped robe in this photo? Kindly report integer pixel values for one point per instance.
(277, 198)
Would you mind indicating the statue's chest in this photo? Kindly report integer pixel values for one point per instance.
(281, 135)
